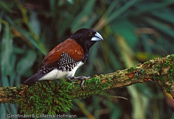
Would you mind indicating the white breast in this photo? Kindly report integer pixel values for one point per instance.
(57, 74)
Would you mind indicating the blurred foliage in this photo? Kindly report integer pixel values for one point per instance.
(133, 30)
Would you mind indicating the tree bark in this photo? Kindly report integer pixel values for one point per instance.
(159, 70)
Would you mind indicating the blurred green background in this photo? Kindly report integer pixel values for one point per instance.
(133, 30)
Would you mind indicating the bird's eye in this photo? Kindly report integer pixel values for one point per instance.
(89, 33)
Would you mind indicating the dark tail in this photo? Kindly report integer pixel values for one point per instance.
(34, 78)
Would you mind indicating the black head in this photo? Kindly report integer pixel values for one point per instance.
(86, 38)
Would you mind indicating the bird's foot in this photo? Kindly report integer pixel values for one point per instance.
(82, 78)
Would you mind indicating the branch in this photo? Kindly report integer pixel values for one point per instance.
(50, 93)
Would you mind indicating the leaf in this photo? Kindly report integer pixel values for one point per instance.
(164, 14)
(120, 11)
(78, 21)
(6, 51)
(26, 62)
(160, 26)
(126, 29)
(37, 44)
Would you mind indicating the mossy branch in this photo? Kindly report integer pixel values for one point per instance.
(50, 96)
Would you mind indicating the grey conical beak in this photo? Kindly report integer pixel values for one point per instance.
(96, 37)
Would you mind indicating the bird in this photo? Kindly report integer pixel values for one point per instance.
(63, 60)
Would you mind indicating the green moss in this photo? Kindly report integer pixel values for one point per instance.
(142, 71)
(168, 89)
(136, 74)
(131, 69)
(158, 67)
(45, 97)
(166, 63)
(171, 70)
(95, 86)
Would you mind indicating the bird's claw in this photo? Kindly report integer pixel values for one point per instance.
(82, 78)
